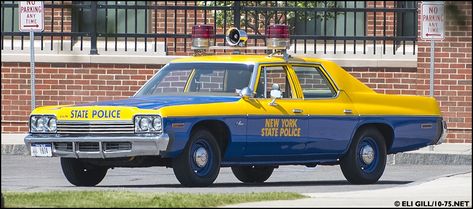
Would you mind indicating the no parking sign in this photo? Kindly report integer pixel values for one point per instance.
(433, 20)
(31, 16)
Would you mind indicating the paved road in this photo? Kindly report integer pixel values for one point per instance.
(24, 173)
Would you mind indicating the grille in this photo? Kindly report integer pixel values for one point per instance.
(117, 146)
(63, 146)
(88, 146)
(95, 127)
(93, 146)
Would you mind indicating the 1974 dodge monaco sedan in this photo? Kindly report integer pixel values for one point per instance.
(252, 113)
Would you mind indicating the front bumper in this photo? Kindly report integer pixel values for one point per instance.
(96, 146)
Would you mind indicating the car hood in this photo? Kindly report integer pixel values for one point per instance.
(156, 102)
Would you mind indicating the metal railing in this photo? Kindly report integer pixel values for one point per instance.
(153, 26)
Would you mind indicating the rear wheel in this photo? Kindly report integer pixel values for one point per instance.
(81, 174)
(365, 161)
(252, 174)
(199, 163)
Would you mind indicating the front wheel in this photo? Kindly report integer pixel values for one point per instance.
(199, 163)
(251, 174)
(81, 174)
(365, 161)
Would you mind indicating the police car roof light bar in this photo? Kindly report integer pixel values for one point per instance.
(277, 39)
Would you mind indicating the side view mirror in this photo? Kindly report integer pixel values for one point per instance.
(246, 93)
(275, 94)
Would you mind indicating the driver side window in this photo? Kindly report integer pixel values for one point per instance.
(273, 75)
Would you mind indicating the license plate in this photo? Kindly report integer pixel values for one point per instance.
(41, 150)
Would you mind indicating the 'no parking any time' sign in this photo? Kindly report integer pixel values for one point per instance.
(31, 14)
(433, 20)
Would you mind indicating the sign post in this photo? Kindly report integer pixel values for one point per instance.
(433, 24)
(433, 28)
(31, 20)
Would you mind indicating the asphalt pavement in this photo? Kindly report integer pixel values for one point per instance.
(25, 173)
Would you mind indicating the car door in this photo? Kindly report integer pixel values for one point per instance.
(332, 117)
(276, 131)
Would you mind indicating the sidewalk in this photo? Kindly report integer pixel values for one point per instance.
(442, 154)
(445, 190)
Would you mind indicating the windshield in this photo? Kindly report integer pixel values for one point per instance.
(212, 79)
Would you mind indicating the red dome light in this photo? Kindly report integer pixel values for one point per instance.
(202, 31)
(202, 36)
(277, 37)
(277, 31)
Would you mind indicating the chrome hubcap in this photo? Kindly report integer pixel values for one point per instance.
(201, 157)
(367, 154)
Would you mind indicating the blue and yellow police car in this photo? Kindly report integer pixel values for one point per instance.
(252, 113)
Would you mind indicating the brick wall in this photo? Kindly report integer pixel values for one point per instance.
(387, 80)
(452, 72)
(60, 84)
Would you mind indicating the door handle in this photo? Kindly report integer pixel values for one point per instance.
(297, 110)
(347, 111)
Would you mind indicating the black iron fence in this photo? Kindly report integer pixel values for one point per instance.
(152, 26)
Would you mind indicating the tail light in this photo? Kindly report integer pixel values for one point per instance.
(277, 37)
(202, 36)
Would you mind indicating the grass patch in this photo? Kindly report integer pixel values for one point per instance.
(112, 199)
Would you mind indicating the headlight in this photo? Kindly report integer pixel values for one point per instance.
(148, 124)
(43, 124)
(145, 124)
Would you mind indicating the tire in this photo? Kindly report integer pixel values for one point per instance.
(192, 171)
(251, 174)
(359, 170)
(79, 173)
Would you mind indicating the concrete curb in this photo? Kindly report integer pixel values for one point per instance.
(429, 159)
(422, 158)
(14, 149)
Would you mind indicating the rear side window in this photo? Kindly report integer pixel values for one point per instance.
(313, 82)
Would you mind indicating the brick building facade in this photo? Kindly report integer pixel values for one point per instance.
(63, 77)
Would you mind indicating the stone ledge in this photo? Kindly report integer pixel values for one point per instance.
(350, 61)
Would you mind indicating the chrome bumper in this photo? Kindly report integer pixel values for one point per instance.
(443, 135)
(140, 145)
(444, 132)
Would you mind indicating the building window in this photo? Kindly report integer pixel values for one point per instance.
(9, 17)
(407, 21)
(111, 20)
(334, 24)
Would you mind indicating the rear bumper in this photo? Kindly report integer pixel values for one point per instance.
(97, 146)
(443, 133)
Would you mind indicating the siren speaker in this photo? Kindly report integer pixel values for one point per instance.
(236, 37)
